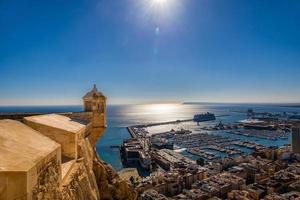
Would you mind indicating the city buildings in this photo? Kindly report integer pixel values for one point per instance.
(296, 139)
(152, 195)
(247, 177)
(133, 152)
(173, 182)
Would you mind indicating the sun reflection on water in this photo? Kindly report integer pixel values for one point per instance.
(156, 112)
(161, 108)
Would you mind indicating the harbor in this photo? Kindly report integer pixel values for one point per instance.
(209, 139)
(120, 119)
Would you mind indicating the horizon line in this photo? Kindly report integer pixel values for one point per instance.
(141, 103)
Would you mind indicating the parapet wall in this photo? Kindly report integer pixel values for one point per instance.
(85, 116)
(17, 116)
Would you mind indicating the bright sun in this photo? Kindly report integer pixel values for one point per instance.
(165, 3)
(160, 1)
(159, 10)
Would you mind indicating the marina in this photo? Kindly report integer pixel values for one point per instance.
(209, 139)
(269, 135)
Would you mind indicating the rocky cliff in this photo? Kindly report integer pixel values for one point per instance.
(94, 179)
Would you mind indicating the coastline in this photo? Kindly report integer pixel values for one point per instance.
(120, 117)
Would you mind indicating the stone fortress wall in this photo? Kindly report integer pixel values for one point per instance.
(73, 171)
(26, 157)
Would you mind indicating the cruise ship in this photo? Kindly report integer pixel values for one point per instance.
(204, 117)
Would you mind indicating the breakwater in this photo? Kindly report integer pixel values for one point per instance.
(162, 123)
(131, 129)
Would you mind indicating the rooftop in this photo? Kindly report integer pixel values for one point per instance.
(57, 121)
(22, 147)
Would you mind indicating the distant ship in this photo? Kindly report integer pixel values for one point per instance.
(204, 117)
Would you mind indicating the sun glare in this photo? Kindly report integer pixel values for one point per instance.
(159, 9)
(160, 1)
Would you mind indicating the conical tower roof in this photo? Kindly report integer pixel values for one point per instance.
(93, 93)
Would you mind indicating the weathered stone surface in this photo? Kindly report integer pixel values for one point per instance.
(47, 187)
(95, 102)
(110, 184)
(61, 129)
(80, 184)
(29, 163)
(57, 121)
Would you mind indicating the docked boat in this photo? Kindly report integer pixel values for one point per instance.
(204, 117)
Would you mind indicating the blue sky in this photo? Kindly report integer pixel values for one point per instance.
(53, 51)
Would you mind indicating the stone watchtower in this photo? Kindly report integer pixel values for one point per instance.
(95, 102)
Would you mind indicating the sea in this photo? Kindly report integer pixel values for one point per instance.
(121, 116)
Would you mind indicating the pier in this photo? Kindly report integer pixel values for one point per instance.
(162, 123)
(131, 132)
(135, 135)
